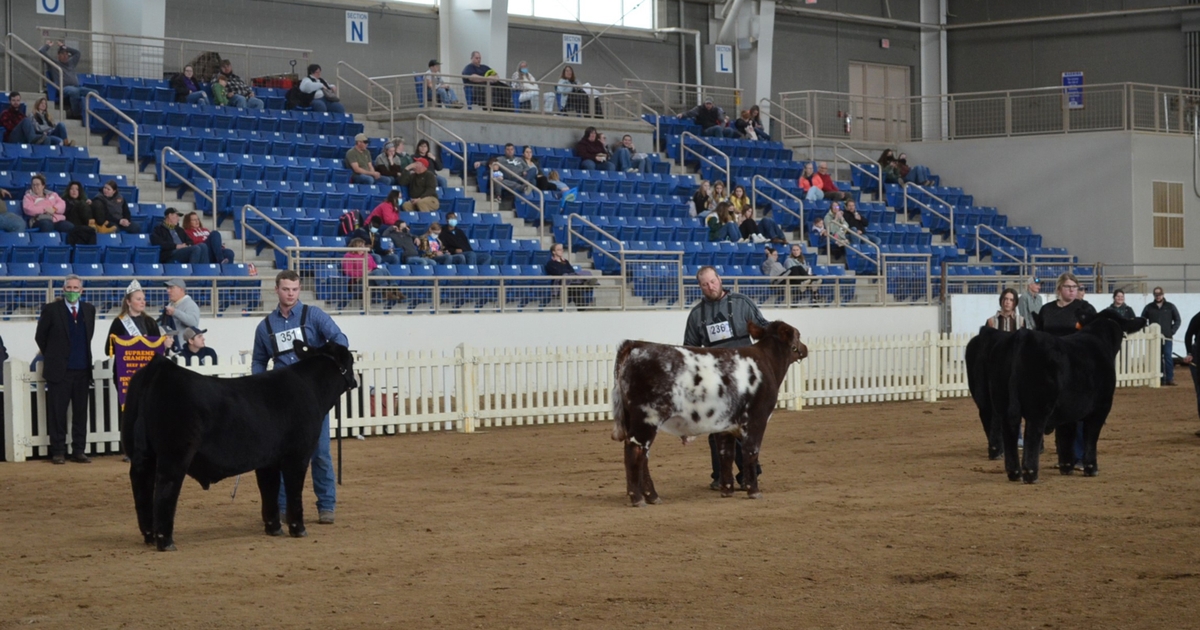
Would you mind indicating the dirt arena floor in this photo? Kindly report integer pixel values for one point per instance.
(874, 516)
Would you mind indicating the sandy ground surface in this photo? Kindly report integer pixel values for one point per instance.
(874, 516)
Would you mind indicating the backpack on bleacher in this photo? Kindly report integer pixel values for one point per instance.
(296, 98)
(351, 220)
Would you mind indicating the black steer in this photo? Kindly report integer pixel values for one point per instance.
(978, 355)
(181, 423)
(1056, 382)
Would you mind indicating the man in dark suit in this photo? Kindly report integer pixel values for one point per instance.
(64, 336)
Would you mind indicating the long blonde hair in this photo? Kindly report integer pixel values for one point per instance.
(37, 105)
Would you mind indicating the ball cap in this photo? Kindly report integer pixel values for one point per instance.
(708, 100)
(362, 137)
(434, 62)
(422, 161)
(192, 331)
(175, 282)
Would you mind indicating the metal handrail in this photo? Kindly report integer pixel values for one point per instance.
(246, 228)
(754, 196)
(779, 119)
(1023, 260)
(40, 74)
(541, 206)
(571, 234)
(878, 251)
(948, 219)
(391, 105)
(729, 96)
(89, 117)
(878, 178)
(703, 158)
(441, 145)
(195, 189)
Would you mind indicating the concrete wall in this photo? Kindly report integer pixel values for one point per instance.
(1107, 51)
(542, 48)
(1074, 190)
(443, 332)
(24, 23)
(1166, 159)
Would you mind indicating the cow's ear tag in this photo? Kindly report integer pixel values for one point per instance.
(1078, 326)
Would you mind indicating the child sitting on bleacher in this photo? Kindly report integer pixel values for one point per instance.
(220, 90)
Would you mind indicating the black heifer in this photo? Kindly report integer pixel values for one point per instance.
(1056, 382)
(978, 354)
(181, 423)
(696, 391)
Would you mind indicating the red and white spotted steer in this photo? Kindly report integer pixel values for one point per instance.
(688, 392)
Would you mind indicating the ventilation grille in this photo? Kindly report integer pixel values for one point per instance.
(1168, 215)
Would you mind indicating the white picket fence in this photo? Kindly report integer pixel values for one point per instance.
(470, 388)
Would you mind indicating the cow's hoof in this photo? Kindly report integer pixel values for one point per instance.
(1029, 476)
(148, 538)
(755, 495)
(1066, 469)
(995, 453)
(638, 504)
(297, 532)
(1090, 471)
(1014, 475)
(654, 500)
(167, 547)
(725, 494)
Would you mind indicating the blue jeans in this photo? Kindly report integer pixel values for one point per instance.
(917, 175)
(450, 259)
(762, 135)
(75, 96)
(199, 97)
(324, 481)
(386, 259)
(10, 222)
(594, 166)
(368, 180)
(1168, 362)
(625, 161)
(729, 232)
(25, 133)
(47, 225)
(132, 228)
(217, 252)
(237, 100)
(718, 131)
(446, 95)
(477, 258)
(193, 254)
(770, 229)
(814, 194)
(417, 260)
(321, 105)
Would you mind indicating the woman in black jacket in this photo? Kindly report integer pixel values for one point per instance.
(189, 89)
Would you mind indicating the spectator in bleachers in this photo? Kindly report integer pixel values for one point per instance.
(392, 159)
(592, 153)
(194, 347)
(455, 241)
(78, 213)
(10, 221)
(372, 234)
(132, 321)
(324, 96)
(220, 90)
(484, 181)
(240, 93)
(358, 158)
(210, 239)
(745, 126)
(1119, 306)
(434, 250)
(552, 183)
(748, 227)
(796, 259)
(44, 209)
(527, 87)
(409, 246)
(1007, 319)
(388, 210)
(711, 119)
(817, 234)
(477, 78)
(517, 164)
(436, 86)
(422, 186)
(836, 227)
(574, 97)
(702, 201)
(112, 211)
(888, 168)
(189, 89)
(723, 224)
(533, 168)
(67, 59)
(719, 194)
(18, 128)
(739, 200)
(858, 223)
(770, 229)
(352, 262)
(434, 163)
(824, 181)
(914, 174)
(756, 120)
(175, 246)
(44, 125)
(558, 265)
(771, 265)
(628, 159)
(811, 193)
(180, 313)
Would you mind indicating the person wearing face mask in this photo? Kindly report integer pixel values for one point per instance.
(407, 244)
(456, 242)
(436, 251)
(372, 235)
(64, 337)
(523, 81)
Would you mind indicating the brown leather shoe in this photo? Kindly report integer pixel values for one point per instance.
(80, 458)
(58, 460)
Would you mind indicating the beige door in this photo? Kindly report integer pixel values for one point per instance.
(875, 118)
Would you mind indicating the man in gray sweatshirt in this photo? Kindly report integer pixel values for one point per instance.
(68, 59)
